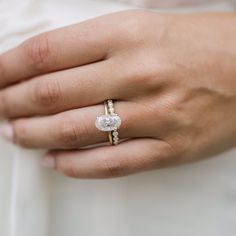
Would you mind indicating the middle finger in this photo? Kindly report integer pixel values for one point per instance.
(74, 128)
(60, 91)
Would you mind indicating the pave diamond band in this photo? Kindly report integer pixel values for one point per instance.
(110, 122)
(114, 135)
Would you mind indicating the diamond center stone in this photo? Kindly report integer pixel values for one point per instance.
(108, 122)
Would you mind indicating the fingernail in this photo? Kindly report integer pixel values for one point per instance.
(49, 161)
(7, 132)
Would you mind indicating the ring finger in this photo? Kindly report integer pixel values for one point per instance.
(60, 91)
(72, 129)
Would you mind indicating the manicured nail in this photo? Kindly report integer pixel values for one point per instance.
(49, 161)
(7, 132)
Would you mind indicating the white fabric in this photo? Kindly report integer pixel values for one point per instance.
(192, 200)
(173, 3)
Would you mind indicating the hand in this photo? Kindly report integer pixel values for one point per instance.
(172, 77)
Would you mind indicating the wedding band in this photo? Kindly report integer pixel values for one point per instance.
(110, 122)
(107, 113)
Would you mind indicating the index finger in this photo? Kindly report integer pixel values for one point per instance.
(59, 49)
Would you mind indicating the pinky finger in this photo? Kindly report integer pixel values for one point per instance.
(129, 157)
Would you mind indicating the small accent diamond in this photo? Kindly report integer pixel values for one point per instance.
(116, 139)
(111, 110)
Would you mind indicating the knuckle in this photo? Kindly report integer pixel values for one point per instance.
(151, 76)
(68, 133)
(144, 76)
(134, 32)
(112, 169)
(134, 24)
(73, 134)
(47, 93)
(167, 155)
(38, 50)
(130, 29)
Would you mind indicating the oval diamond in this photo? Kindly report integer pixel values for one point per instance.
(108, 122)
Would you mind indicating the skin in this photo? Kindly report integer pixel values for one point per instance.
(173, 79)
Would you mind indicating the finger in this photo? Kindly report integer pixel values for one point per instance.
(60, 91)
(67, 47)
(72, 129)
(112, 161)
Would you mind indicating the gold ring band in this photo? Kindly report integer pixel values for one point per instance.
(107, 113)
(109, 110)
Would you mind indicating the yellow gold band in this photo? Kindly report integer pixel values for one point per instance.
(109, 110)
(107, 113)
